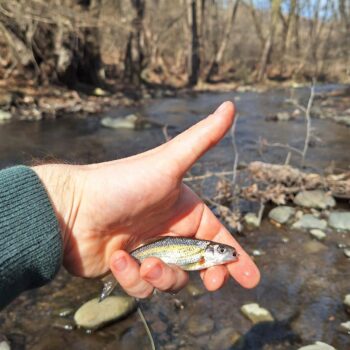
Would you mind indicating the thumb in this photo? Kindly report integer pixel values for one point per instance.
(185, 149)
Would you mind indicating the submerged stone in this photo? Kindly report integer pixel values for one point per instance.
(318, 234)
(314, 199)
(313, 247)
(197, 325)
(67, 311)
(4, 116)
(347, 300)
(308, 221)
(252, 220)
(255, 313)
(194, 290)
(94, 314)
(317, 346)
(258, 252)
(339, 220)
(128, 122)
(347, 252)
(281, 214)
(4, 345)
(223, 339)
(346, 326)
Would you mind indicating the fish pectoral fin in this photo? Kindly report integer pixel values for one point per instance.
(201, 261)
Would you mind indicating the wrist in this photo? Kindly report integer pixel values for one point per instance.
(60, 184)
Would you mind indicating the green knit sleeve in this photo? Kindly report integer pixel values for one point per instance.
(30, 239)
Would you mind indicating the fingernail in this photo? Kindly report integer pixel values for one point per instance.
(221, 108)
(154, 273)
(120, 264)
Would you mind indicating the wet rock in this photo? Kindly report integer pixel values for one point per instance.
(252, 220)
(179, 304)
(314, 247)
(257, 252)
(4, 116)
(64, 324)
(282, 117)
(4, 345)
(100, 92)
(198, 325)
(299, 214)
(255, 313)
(341, 245)
(95, 314)
(5, 99)
(342, 119)
(159, 327)
(194, 290)
(308, 221)
(64, 312)
(30, 114)
(281, 214)
(318, 234)
(129, 122)
(347, 302)
(132, 121)
(315, 213)
(339, 220)
(317, 346)
(314, 199)
(347, 252)
(346, 326)
(223, 339)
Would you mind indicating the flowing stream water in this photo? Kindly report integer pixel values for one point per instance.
(303, 282)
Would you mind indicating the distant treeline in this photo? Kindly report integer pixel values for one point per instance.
(178, 42)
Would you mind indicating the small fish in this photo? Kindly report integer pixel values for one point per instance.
(188, 253)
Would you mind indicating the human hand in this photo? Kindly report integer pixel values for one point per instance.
(110, 208)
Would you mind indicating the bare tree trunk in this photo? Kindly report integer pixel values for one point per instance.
(344, 11)
(202, 26)
(257, 23)
(286, 37)
(316, 29)
(134, 55)
(214, 67)
(194, 48)
(275, 9)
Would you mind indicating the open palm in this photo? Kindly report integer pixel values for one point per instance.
(118, 205)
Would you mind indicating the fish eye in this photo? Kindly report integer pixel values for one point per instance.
(221, 250)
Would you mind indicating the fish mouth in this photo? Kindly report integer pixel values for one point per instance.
(235, 254)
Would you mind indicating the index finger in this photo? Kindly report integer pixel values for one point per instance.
(244, 271)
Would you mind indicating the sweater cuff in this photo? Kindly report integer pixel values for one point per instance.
(30, 239)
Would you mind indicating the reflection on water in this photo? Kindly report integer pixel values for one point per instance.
(302, 288)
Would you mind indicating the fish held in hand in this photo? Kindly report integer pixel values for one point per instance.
(188, 253)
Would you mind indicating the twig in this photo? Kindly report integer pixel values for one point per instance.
(165, 133)
(235, 152)
(289, 156)
(218, 205)
(308, 122)
(148, 331)
(206, 176)
(261, 212)
(296, 104)
(281, 145)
